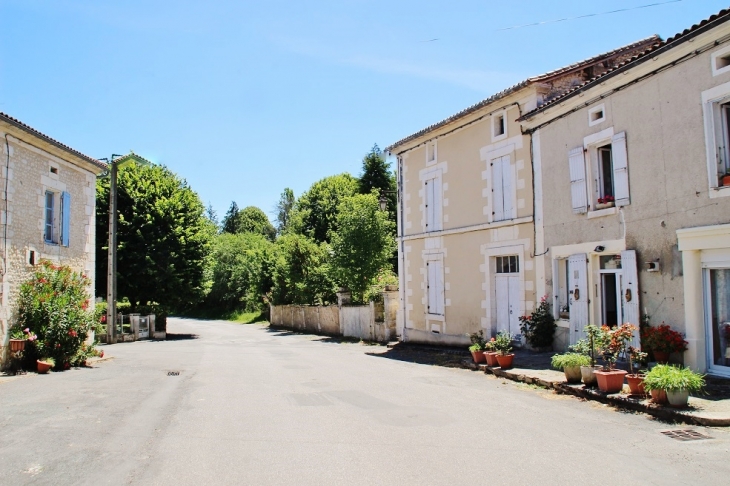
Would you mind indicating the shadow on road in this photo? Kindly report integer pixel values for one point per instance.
(180, 336)
(446, 357)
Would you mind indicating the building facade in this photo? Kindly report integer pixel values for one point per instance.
(635, 212)
(47, 210)
(467, 239)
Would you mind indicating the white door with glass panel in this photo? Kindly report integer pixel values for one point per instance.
(717, 319)
(508, 293)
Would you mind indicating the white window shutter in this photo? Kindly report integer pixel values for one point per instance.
(578, 286)
(578, 189)
(507, 188)
(428, 188)
(619, 157)
(437, 197)
(497, 192)
(630, 292)
(439, 288)
(431, 287)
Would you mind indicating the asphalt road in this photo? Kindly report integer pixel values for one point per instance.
(255, 406)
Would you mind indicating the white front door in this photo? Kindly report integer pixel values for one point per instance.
(717, 319)
(508, 303)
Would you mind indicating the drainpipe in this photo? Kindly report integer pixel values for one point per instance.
(401, 251)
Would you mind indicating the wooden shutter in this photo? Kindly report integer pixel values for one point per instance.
(630, 292)
(619, 156)
(65, 218)
(437, 197)
(439, 287)
(578, 286)
(507, 188)
(429, 187)
(435, 287)
(497, 190)
(578, 189)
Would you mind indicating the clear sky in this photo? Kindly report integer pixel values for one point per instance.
(246, 98)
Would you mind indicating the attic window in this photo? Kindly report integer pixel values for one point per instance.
(54, 170)
(721, 61)
(498, 125)
(596, 115)
(431, 153)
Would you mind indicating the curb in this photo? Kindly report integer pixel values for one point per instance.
(616, 400)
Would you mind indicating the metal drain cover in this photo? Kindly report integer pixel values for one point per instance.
(685, 435)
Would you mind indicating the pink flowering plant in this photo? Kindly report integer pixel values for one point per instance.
(54, 309)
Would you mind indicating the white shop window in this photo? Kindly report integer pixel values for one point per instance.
(602, 160)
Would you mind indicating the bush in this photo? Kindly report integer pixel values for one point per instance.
(570, 360)
(301, 272)
(673, 378)
(385, 277)
(663, 339)
(54, 305)
(539, 327)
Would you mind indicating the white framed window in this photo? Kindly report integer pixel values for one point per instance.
(607, 168)
(57, 218)
(499, 125)
(503, 189)
(435, 285)
(720, 61)
(431, 153)
(433, 202)
(716, 109)
(596, 115)
(507, 264)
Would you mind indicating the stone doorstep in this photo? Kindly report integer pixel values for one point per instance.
(555, 380)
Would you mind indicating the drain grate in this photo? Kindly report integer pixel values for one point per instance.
(685, 435)
(173, 373)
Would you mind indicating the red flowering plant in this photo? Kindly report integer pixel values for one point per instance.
(663, 339)
(54, 306)
(617, 339)
(606, 199)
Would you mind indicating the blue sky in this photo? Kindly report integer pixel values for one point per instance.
(244, 98)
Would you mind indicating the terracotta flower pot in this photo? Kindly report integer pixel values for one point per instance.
(661, 357)
(17, 345)
(610, 381)
(505, 360)
(478, 357)
(572, 374)
(678, 398)
(491, 357)
(588, 374)
(659, 396)
(43, 367)
(636, 384)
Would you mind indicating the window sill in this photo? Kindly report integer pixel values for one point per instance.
(722, 191)
(435, 317)
(601, 212)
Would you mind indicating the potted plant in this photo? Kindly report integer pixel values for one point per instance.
(503, 346)
(605, 202)
(477, 346)
(571, 363)
(663, 341)
(45, 364)
(564, 312)
(589, 347)
(675, 381)
(725, 179)
(490, 353)
(611, 380)
(636, 380)
(19, 337)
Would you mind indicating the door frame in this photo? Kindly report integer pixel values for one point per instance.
(711, 366)
(601, 297)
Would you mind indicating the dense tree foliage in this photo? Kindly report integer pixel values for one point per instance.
(376, 175)
(315, 212)
(283, 210)
(230, 220)
(301, 272)
(362, 244)
(164, 238)
(241, 270)
(248, 220)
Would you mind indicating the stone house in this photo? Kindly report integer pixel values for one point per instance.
(467, 240)
(635, 216)
(47, 210)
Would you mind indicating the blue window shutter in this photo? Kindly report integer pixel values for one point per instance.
(66, 221)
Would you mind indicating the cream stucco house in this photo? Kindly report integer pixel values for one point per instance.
(47, 209)
(635, 216)
(467, 240)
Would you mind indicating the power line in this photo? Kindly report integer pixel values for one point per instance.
(589, 15)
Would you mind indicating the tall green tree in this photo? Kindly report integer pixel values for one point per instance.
(283, 210)
(362, 244)
(164, 238)
(230, 220)
(315, 212)
(301, 272)
(253, 220)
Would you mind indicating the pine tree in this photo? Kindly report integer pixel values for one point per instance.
(230, 220)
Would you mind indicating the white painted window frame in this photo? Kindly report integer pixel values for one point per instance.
(591, 121)
(711, 101)
(723, 52)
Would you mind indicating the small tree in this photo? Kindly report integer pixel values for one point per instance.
(362, 243)
(283, 210)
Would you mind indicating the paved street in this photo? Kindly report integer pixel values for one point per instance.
(255, 406)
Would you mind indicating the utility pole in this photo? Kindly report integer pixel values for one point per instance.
(111, 275)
